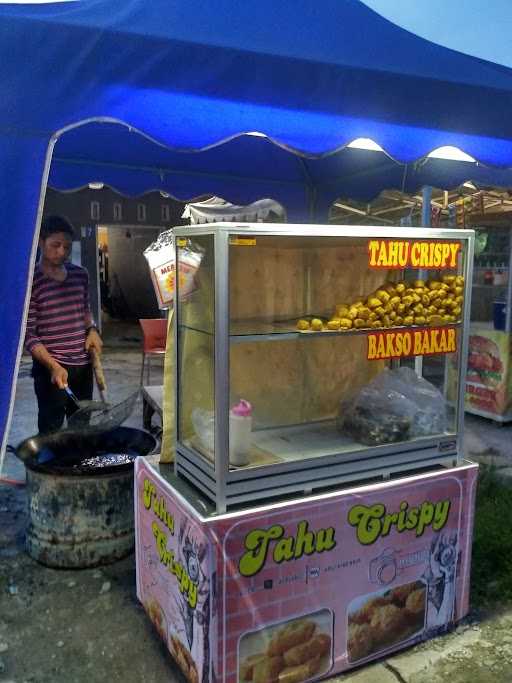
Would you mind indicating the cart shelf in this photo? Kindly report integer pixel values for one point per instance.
(253, 332)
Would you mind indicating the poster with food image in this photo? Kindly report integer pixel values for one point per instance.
(293, 651)
(164, 281)
(487, 374)
(485, 359)
(384, 619)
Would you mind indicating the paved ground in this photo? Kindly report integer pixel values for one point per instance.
(60, 626)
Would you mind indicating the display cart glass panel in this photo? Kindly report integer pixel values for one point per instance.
(329, 361)
(196, 345)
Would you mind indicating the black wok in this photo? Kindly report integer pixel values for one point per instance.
(72, 452)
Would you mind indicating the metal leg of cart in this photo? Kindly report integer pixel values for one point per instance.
(152, 402)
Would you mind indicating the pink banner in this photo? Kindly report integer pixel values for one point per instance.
(311, 588)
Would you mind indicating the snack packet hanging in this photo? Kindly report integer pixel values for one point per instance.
(160, 256)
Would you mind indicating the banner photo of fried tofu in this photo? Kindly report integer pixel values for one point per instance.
(381, 620)
(294, 651)
(183, 658)
(157, 616)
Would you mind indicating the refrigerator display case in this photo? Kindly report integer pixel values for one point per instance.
(311, 355)
(489, 373)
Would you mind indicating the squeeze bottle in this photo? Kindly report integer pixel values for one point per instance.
(240, 427)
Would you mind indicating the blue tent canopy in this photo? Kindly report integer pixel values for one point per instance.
(247, 168)
(140, 95)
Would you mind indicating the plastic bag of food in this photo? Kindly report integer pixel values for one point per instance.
(160, 256)
(376, 415)
(430, 416)
(397, 405)
(203, 422)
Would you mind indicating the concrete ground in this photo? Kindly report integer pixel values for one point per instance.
(86, 626)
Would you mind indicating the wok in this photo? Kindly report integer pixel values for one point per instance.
(72, 452)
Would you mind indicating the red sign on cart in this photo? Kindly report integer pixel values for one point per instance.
(438, 255)
(417, 342)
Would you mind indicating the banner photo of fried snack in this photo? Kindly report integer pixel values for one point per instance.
(381, 620)
(294, 651)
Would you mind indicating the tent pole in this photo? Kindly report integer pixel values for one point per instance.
(426, 194)
(312, 201)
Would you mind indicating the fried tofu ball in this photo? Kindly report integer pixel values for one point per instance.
(382, 295)
(399, 595)
(294, 633)
(298, 674)
(267, 670)
(390, 288)
(341, 311)
(334, 324)
(433, 284)
(247, 666)
(365, 613)
(360, 641)
(415, 602)
(387, 622)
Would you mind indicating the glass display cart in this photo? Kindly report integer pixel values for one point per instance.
(308, 356)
